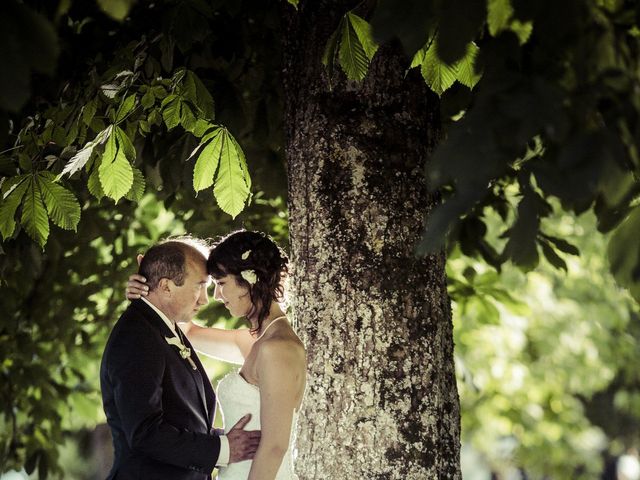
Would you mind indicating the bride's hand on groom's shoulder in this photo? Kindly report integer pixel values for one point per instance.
(136, 287)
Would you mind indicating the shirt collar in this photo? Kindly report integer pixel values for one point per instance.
(161, 314)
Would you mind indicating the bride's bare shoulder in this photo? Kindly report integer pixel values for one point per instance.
(283, 346)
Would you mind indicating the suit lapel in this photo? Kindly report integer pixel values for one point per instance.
(199, 376)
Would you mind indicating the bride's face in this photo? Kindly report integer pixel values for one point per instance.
(235, 297)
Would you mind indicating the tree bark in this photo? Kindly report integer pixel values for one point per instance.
(381, 401)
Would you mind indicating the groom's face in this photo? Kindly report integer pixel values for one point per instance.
(188, 298)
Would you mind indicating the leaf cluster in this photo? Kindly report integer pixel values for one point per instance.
(98, 132)
(555, 114)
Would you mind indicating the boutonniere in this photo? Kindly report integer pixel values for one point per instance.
(185, 352)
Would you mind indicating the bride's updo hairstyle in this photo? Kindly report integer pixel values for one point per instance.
(257, 263)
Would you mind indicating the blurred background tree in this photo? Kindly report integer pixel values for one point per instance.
(114, 96)
(546, 361)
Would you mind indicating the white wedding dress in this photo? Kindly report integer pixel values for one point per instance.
(238, 397)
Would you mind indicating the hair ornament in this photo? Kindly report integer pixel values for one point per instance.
(250, 276)
(245, 255)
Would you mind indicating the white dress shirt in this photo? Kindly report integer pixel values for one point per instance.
(223, 457)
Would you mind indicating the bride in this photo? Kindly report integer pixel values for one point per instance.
(248, 270)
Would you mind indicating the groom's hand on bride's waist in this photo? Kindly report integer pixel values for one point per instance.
(242, 443)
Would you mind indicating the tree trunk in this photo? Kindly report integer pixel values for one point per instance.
(381, 401)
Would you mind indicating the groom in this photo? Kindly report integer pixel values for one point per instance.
(156, 395)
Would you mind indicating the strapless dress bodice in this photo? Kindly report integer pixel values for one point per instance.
(238, 397)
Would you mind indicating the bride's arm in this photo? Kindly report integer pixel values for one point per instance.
(228, 345)
(281, 377)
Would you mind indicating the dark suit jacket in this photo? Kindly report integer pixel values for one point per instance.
(159, 409)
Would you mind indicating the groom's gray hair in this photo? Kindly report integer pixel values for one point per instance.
(168, 259)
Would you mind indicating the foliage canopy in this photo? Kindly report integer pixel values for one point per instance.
(543, 95)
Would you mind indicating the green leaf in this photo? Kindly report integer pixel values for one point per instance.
(521, 247)
(418, 58)
(466, 73)
(124, 143)
(522, 30)
(10, 184)
(243, 162)
(71, 135)
(147, 100)
(438, 74)
(363, 30)
(352, 55)
(551, 255)
(500, 18)
(110, 90)
(144, 127)
(624, 253)
(82, 157)
(61, 204)
(136, 192)
(116, 9)
(31, 462)
(116, 174)
(178, 77)
(125, 108)
(231, 189)
(154, 117)
(159, 91)
(195, 91)
(215, 130)
(43, 466)
(499, 12)
(25, 162)
(89, 111)
(562, 245)
(611, 5)
(34, 214)
(94, 186)
(188, 118)
(201, 127)
(171, 107)
(14, 189)
(329, 55)
(208, 162)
